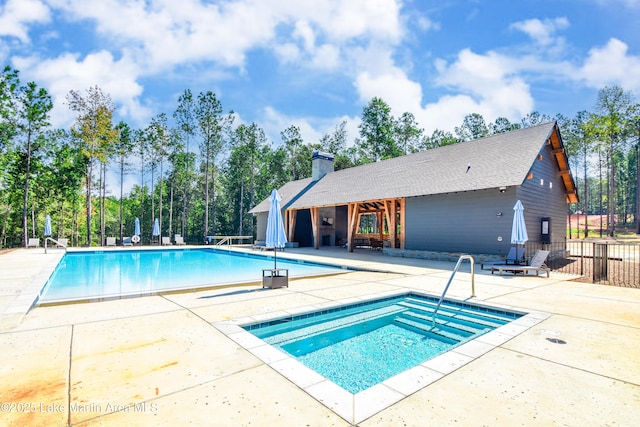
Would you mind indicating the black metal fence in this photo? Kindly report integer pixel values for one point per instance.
(604, 262)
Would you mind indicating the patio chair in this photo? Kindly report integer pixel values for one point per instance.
(166, 241)
(62, 242)
(33, 242)
(260, 245)
(536, 264)
(178, 239)
(376, 244)
(111, 241)
(126, 241)
(515, 256)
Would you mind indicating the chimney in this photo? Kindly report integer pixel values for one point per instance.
(321, 164)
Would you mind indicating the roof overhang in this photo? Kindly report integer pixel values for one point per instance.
(558, 151)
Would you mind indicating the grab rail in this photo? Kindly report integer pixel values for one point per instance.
(228, 239)
(223, 241)
(54, 241)
(453, 273)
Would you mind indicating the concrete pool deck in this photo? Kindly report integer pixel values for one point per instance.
(160, 360)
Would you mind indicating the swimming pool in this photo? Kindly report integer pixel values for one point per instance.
(358, 346)
(388, 365)
(109, 274)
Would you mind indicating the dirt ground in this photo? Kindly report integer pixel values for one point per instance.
(595, 223)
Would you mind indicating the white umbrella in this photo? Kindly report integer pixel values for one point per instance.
(47, 226)
(519, 234)
(136, 227)
(156, 228)
(276, 236)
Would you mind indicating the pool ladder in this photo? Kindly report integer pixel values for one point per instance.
(60, 245)
(453, 273)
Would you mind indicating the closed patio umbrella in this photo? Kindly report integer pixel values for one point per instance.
(47, 226)
(156, 229)
(136, 227)
(519, 234)
(276, 236)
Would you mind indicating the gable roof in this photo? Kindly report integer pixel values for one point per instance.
(289, 193)
(499, 160)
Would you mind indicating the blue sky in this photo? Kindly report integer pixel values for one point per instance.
(316, 63)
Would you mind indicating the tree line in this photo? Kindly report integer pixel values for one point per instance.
(199, 172)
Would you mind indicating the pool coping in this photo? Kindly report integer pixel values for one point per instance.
(356, 408)
(30, 295)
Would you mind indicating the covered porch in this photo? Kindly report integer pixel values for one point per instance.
(380, 222)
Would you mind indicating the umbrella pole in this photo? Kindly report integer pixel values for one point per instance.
(275, 256)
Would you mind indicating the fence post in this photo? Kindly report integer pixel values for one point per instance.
(582, 257)
(600, 262)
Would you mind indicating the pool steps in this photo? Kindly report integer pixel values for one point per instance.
(453, 324)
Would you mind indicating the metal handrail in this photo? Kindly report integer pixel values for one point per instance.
(229, 239)
(54, 241)
(223, 241)
(453, 273)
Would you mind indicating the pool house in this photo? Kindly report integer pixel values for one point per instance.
(457, 198)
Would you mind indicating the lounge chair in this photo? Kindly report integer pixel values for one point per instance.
(259, 245)
(62, 242)
(33, 243)
(178, 239)
(515, 256)
(166, 241)
(536, 264)
(111, 241)
(126, 241)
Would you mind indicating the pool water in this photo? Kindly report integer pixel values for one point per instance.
(108, 274)
(358, 346)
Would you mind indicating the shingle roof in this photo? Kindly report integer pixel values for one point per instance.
(495, 161)
(288, 192)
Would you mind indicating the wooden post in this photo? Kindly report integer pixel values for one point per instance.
(315, 225)
(291, 224)
(403, 223)
(391, 212)
(352, 225)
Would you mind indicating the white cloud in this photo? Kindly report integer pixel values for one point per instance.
(610, 64)
(311, 128)
(542, 31)
(426, 24)
(394, 87)
(165, 33)
(490, 84)
(288, 52)
(326, 57)
(304, 31)
(17, 15)
(68, 72)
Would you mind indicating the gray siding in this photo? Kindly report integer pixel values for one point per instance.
(544, 196)
(261, 225)
(461, 222)
(469, 221)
